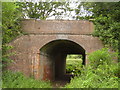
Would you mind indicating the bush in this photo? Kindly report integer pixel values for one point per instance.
(18, 80)
(100, 57)
(11, 28)
(73, 67)
(73, 64)
(103, 75)
(5, 55)
(92, 80)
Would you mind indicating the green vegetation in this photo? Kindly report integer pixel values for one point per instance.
(44, 10)
(101, 74)
(100, 57)
(73, 64)
(11, 17)
(14, 12)
(10, 21)
(18, 80)
(106, 17)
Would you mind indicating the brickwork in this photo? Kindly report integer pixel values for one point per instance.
(42, 51)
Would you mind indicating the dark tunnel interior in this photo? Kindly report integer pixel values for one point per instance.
(56, 53)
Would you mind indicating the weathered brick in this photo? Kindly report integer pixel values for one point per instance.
(42, 52)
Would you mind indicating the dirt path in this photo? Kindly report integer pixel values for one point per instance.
(62, 81)
(59, 83)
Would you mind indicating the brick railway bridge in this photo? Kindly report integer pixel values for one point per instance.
(42, 51)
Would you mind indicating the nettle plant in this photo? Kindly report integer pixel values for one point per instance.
(102, 71)
(101, 57)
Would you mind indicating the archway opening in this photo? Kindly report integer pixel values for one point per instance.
(73, 64)
(53, 58)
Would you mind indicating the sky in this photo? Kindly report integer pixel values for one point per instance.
(73, 5)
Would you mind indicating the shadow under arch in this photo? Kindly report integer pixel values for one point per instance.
(53, 58)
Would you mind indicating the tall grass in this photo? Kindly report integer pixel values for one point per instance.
(73, 64)
(102, 72)
(18, 80)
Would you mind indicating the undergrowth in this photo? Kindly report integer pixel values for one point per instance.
(101, 72)
(18, 80)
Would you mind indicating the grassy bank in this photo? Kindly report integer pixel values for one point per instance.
(18, 80)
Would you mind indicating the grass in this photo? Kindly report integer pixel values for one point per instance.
(104, 76)
(73, 65)
(18, 80)
(101, 72)
(73, 61)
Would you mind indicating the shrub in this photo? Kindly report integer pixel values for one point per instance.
(92, 80)
(73, 64)
(5, 55)
(100, 57)
(18, 80)
(103, 75)
(11, 28)
(74, 67)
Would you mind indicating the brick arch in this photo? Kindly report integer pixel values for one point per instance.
(53, 41)
(47, 40)
(40, 33)
(54, 53)
(46, 43)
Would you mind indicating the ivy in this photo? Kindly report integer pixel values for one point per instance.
(106, 17)
(10, 28)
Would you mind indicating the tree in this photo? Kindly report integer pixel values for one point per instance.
(106, 17)
(10, 27)
(13, 13)
(43, 10)
(10, 21)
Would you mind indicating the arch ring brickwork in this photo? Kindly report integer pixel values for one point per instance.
(31, 59)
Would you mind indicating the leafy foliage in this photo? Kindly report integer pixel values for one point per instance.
(5, 57)
(10, 28)
(43, 10)
(18, 80)
(92, 80)
(10, 21)
(106, 17)
(105, 75)
(102, 72)
(100, 57)
(74, 64)
(74, 67)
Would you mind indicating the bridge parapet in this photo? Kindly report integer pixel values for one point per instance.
(81, 27)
